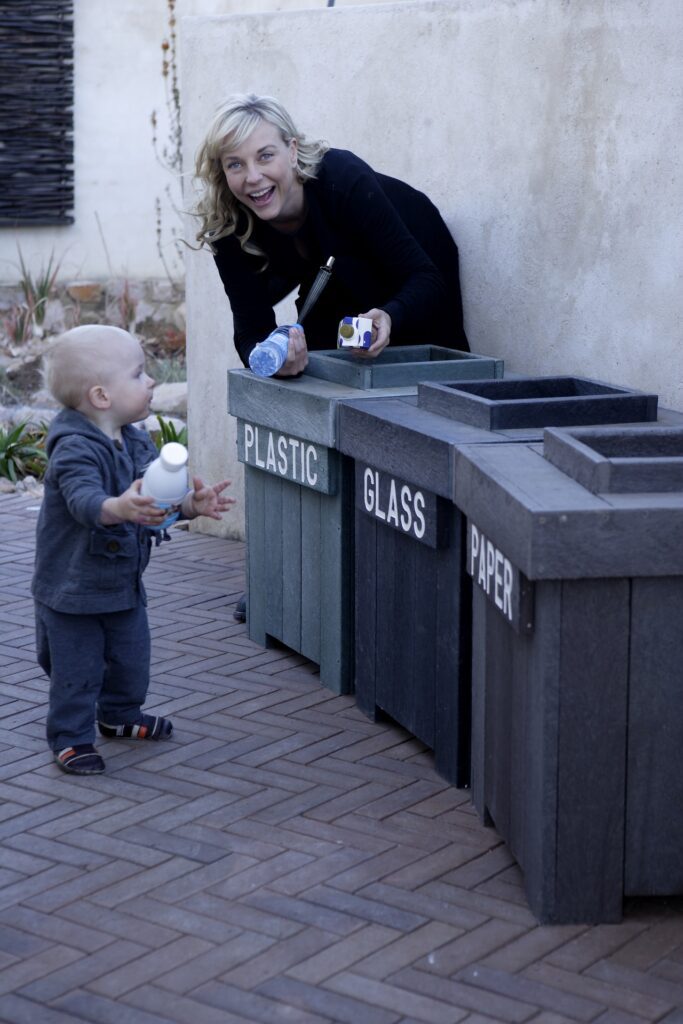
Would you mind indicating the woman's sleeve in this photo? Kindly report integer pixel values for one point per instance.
(248, 294)
(372, 219)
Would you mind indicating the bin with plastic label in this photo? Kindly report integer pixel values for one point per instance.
(300, 492)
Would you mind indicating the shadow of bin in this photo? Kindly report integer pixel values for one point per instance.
(299, 493)
(413, 603)
(577, 736)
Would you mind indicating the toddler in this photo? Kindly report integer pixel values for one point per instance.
(93, 545)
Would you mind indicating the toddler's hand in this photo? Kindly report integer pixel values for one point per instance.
(132, 507)
(207, 500)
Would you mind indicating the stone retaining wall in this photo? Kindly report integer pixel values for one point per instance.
(152, 309)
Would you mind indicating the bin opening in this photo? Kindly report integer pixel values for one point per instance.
(411, 354)
(400, 354)
(626, 460)
(536, 402)
(536, 388)
(402, 366)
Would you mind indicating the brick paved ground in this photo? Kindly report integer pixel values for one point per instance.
(281, 859)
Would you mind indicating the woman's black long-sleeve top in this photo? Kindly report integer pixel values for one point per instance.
(392, 251)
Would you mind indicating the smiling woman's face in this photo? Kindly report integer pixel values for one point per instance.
(261, 174)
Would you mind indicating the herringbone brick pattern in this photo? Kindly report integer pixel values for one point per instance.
(281, 859)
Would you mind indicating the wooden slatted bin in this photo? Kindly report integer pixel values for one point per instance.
(413, 596)
(300, 492)
(576, 555)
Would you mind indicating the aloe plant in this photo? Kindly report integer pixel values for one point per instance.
(22, 452)
(37, 290)
(168, 432)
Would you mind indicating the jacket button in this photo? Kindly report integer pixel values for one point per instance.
(113, 545)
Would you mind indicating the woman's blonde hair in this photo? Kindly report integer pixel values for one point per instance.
(233, 122)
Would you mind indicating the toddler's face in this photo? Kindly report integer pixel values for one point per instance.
(130, 388)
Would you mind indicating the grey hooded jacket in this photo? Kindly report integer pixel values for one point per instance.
(81, 566)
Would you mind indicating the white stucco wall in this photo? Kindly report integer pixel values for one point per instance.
(547, 132)
(246, 53)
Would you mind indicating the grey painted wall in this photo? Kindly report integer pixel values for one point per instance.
(547, 132)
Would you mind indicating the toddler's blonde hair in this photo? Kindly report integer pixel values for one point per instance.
(81, 358)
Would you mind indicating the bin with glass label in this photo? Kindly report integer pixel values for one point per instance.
(574, 547)
(299, 492)
(413, 596)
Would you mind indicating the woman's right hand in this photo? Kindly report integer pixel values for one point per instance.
(297, 354)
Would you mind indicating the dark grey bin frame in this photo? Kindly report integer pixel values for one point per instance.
(300, 539)
(577, 731)
(538, 402)
(427, 687)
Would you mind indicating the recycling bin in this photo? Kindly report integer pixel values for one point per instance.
(574, 547)
(413, 595)
(299, 492)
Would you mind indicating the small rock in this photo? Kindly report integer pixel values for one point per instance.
(29, 485)
(90, 316)
(6, 486)
(171, 398)
(85, 292)
(26, 372)
(122, 288)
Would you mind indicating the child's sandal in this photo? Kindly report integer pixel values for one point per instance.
(82, 759)
(150, 727)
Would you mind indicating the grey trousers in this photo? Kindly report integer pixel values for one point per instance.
(98, 665)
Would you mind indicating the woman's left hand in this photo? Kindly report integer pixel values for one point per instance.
(381, 332)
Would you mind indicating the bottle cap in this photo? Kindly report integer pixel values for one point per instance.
(173, 456)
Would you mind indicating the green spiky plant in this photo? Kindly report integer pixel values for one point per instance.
(168, 432)
(37, 290)
(17, 324)
(22, 451)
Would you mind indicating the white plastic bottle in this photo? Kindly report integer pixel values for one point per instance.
(166, 481)
(268, 356)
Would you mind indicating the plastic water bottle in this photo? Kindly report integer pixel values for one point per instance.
(269, 355)
(166, 481)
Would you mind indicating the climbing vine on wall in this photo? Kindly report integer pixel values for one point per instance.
(169, 151)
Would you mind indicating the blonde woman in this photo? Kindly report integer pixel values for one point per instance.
(275, 207)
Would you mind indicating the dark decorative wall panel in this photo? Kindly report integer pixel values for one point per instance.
(36, 112)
